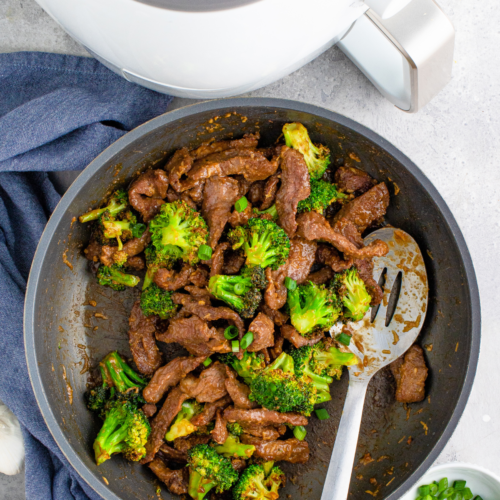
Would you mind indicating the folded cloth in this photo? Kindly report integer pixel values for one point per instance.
(57, 112)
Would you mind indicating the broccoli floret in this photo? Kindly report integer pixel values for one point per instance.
(117, 203)
(323, 194)
(235, 429)
(114, 278)
(119, 229)
(352, 292)
(317, 158)
(182, 425)
(98, 396)
(125, 430)
(327, 361)
(233, 448)
(238, 292)
(155, 261)
(256, 274)
(254, 485)
(247, 367)
(272, 211)
(155, 300)
(178, 231)
(208, 470)
(302, 360)
(277, 388)
(263, 242)
(313, 307)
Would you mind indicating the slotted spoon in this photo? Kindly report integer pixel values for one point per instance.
(379, 341)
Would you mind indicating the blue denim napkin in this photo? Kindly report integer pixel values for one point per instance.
(57, 112)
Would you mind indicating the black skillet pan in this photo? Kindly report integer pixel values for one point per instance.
(62, 331)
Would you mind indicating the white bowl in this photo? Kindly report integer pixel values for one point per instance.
(479, 480)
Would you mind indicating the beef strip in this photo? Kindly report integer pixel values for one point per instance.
(366, 209)
(209, 387)
(184, 444)
(220, 194)
(248, 141)
(179, 165)
(147, 192)
(264, 432)
(219, 432)
(290, 450)
(233, 262)
(168, 453)
(168, 279)
(410, 372)
(169, 376)
(349, 230)
(93, 251)
(353, 180)
(255, 194)
(238, 391)
(196, 192)
(301, 259)
(263, 417)
(199, 293)
(322, 276)
(145, 352)
(195, 336)
(241, 218)
(289, 333)
(270, 190)
(279, 318)
(218, 258)
(262, 328)
(209, 411)
(276, 292)
(328, 255)
(176, 481)
(314, 226)
(110, 255)
(294, 188)
(238, 464)
(149, 409)
(277, 349)
(365, 271)
(162, 421)
(136, 263)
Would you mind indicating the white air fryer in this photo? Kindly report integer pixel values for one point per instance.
(220, 48)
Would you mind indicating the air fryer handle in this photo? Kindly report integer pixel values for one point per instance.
(405, 50)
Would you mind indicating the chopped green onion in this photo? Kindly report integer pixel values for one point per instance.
(457, 495)
(231, 332)
(207, 362)
(300, 432)
(241, 204)
(467, 494)
(138, 230)
(204, 252)
(246, 340)
(428, 497)
(345, 339)
(433, 489)
(322, 414)
(424, 490)
(443, 484)
(239, 288)
(235, 345)
(459, 485)
(446, 493)
(477, 497)
(290, 284)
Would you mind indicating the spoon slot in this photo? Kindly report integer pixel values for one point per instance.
(381, 283)
(393, 298)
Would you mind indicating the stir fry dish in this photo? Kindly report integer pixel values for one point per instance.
(246, 257)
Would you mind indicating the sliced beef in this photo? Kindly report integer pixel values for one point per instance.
(263, 417)
(218, 258)
(279, 318)
(365, 270)
(233, 262)
(262, 328)
(349, 230)
(277, 349)
(314, 226)
(168, 279)
(256, 192)
(248, 141)
(366, 209)
(301, 259)
(290, 450)
(162, 421)
(219, 432)
(196, 192)
(209, 411)
(136, 263)
(270, 190)
(241, 218)
(289, 333)
(328, 255)
(184, 444)
(209, 387)
(179, 165)
(238, 391)
(200, 294)
(410, 372)
(276, 292)
(176, 481)
(147, 193)
(294, 188)
(322, 276)
(110, 255)
(169, 376)
(145, 352)
(149, 409)
(220, 194)
(93, 251)
(263, 432)
(168, 453)
(195, 336)
(238, 464)
(353, 180)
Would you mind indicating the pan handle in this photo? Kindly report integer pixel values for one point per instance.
(338, 478)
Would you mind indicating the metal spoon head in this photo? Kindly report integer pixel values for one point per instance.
(381, 337)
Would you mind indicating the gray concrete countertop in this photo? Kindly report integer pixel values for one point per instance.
(455, 140)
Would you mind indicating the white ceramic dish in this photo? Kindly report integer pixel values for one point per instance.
(481, 481)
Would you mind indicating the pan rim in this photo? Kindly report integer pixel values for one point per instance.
(287, 104)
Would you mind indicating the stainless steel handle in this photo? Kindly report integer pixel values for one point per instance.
(407, 54)
(338, 478)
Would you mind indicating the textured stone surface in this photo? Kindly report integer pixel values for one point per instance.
(455, 140)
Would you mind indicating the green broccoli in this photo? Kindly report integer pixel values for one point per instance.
(323, 194)
(125, 430)
(122, 227)
(182, 425)
(117, 203)
(156, 301)
(115, 278)
(233, 448)
(178, 231)
(238, 292)
(208, 470)
(352, 292)
(247, 367)
(155, 261)
(235, 429)
(263, 242)
(256, 274)
(327, 360)
(317, 158)
(277, 388)
(313, 307)
(255, 485)
(272, 211)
